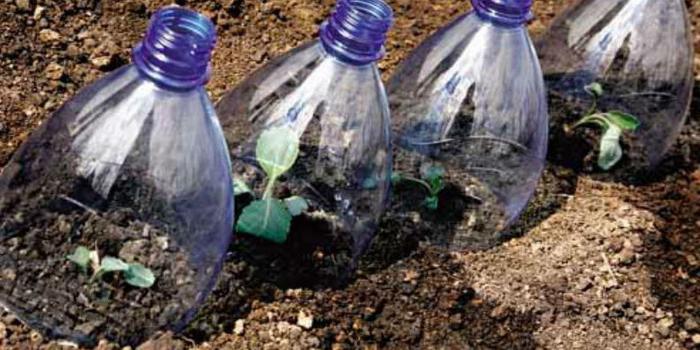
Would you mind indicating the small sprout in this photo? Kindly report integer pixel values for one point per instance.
(135, 274)
(431, 179)
(613, 123)
(429, 171)
(270, 218)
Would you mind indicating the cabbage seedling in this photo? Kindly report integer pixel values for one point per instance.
(613, 123)
(135, 274)
(270, 218)
(431, 179)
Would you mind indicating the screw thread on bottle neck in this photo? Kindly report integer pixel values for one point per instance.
(177, 48)
(356, 31)
(512, 13)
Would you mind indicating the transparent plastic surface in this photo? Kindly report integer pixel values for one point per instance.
(135, 170)
(471, 100)
(641, 52)
(332, 97)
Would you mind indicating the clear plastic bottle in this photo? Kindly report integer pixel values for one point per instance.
(134, 167)
(471, 100)
(641, 53)
(328, 93)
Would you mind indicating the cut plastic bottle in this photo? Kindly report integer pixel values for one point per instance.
(641, 53)
(470, 100)
(326, 96)
(135, 168)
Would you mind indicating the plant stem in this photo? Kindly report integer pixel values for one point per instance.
(593, 107)
(420, 182)
(269, 188)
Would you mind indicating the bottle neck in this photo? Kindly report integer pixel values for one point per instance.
(356, 31)
(176, 50)
(509, 13)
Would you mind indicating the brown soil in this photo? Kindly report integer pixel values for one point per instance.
(595, 264)
(43, 288)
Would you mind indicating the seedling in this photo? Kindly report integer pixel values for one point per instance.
(613, 123)
(270, 218)
(135, 274)
(431, 179)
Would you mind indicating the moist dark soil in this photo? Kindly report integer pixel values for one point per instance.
(593, 264)
(47, 219)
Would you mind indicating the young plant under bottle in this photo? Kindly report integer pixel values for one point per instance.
(270, 218)
(135, 274)
(613, 124)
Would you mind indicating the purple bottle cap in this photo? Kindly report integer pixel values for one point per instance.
(176, 49)
(356, 30)
(505, 12)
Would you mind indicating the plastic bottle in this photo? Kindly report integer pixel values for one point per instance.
(641, 54)
(328, 95)
(134, 167)
(471, 100)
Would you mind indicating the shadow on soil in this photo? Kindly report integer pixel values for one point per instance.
(421, 301)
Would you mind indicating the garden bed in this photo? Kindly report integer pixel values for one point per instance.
(594, 262)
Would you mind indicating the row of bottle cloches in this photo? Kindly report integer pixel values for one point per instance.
(140, 167)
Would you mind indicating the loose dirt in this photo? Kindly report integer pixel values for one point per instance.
(593, 263)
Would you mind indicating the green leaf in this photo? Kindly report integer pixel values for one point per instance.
(139, 276)
(396, 178)
(624, 121)
(296, 205)
(110, 264)
(277, 150)
(431, 202)
(266, 218)
(597, 119)
(610, 149)
(80, 257)
(594, 89)
(436, 185)
(431, 171)
(240, 187)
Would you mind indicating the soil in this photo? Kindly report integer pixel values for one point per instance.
(469, 216)
(593, 263)
(55, 213)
